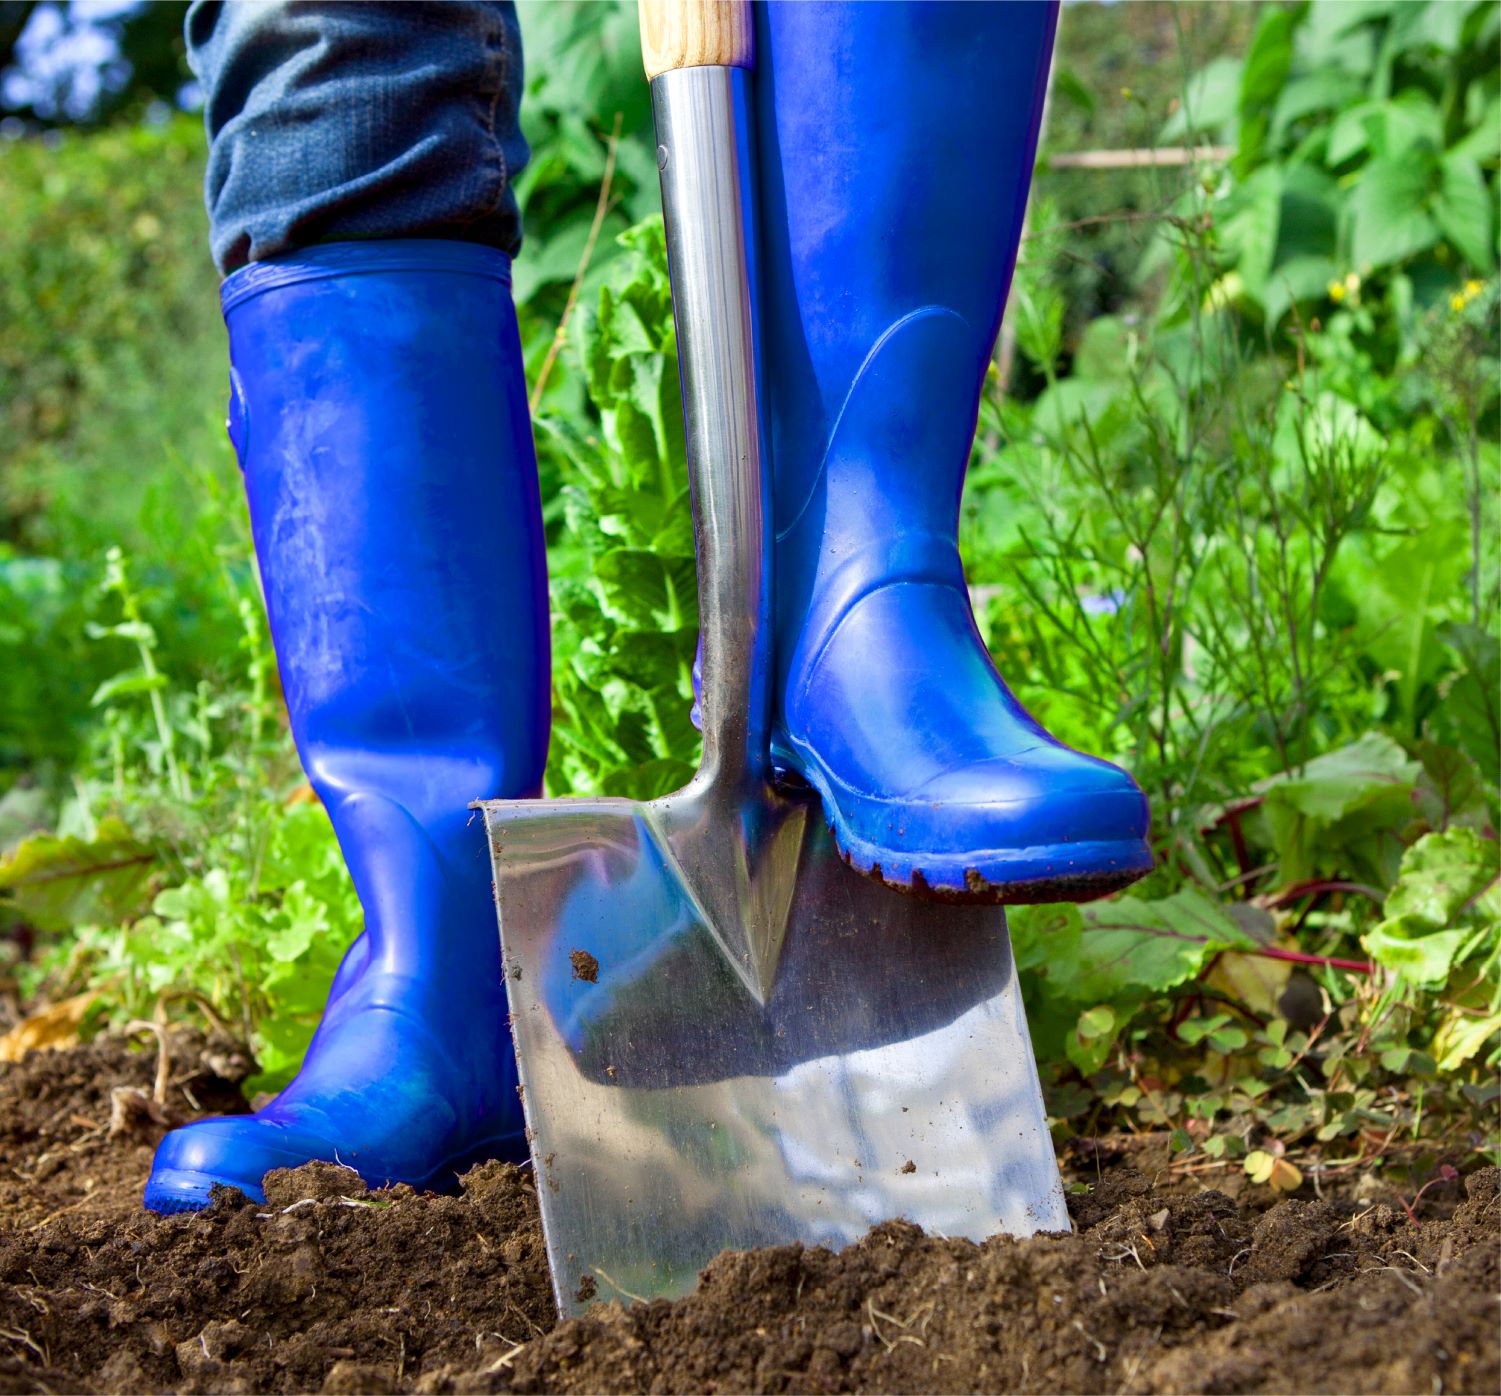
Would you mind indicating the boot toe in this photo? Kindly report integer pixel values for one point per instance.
(1046, 794)
(935, 779)
(1011, 829)
(378, 1093)
(233, 1151)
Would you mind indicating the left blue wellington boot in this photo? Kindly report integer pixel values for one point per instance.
(379, 411)
(895, 146)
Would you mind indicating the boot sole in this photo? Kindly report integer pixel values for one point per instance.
(173, 1190)
(987, 884)
(1065, 872)
(1060, 872)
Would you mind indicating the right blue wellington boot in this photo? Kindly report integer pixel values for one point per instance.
(379, 410)
(895, 145)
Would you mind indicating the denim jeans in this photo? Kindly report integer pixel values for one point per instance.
(336, 120)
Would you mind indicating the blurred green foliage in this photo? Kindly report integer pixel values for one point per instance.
(1366, 138)
(111, 351)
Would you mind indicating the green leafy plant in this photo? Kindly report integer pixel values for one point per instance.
(625, 596)
(211, 877)
(1364, 179)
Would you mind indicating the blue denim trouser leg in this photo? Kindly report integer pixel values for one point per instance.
(336, 121)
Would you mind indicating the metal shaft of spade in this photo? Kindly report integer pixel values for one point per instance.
(704, 157)
(706, 162)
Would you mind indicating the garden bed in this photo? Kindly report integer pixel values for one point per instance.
(1166, 1285)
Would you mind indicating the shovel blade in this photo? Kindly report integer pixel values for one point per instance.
(673, 1114)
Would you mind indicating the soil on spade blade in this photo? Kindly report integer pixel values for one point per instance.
(1163, 1287)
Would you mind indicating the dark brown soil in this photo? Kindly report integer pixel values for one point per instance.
(1166, 1288)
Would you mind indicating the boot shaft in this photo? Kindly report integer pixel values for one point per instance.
(380, 415)
(895, 145)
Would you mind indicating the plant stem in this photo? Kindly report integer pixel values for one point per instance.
(601, 207)
(1297, 957)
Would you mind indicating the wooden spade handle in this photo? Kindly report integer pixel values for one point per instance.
(696, 34)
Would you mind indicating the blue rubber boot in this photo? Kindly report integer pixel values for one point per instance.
(895, 148)
(380, 414)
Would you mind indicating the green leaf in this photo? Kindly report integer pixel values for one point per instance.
(1431, 913)
(58, 883)
(645, 590)
(1209, 101)
(1251, 230)
(1332, 786)
(123, 685)
(1266, 67)
(1471, 710)
(1465, 211)
(1483, 142)
(1389, 211)
(1295, 282)
(137, 632)
(1462, 1036)
(1067, 84)
(1414, 949)
(1326, 90)
(1442, 873)
(1436, 24)
(1193, 1030)
(1341, 812)
(648, 780)
(1092, 1038)
(1129, 948)
(1224, 1146)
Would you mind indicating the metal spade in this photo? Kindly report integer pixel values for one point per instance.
(726, 1037)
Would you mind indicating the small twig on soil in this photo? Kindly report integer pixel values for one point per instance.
(504, 1360)
(1127, 1249)
(1344, 1226)
(1405, 1276)
(129, 1186)
(1140, 1358)
(20, 1335)
(163, 1060)
(1102, 1353)
(875, 1328)
(1408, 1255)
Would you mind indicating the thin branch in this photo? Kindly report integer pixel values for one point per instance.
(601, 207)
(1149, 158)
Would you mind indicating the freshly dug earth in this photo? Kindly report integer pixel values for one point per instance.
(328, 1287)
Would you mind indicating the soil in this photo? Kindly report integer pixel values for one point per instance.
(1165, 1286)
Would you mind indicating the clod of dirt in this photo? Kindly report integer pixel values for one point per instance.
(329, 1287)
(323, 1182)
(585, 966)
